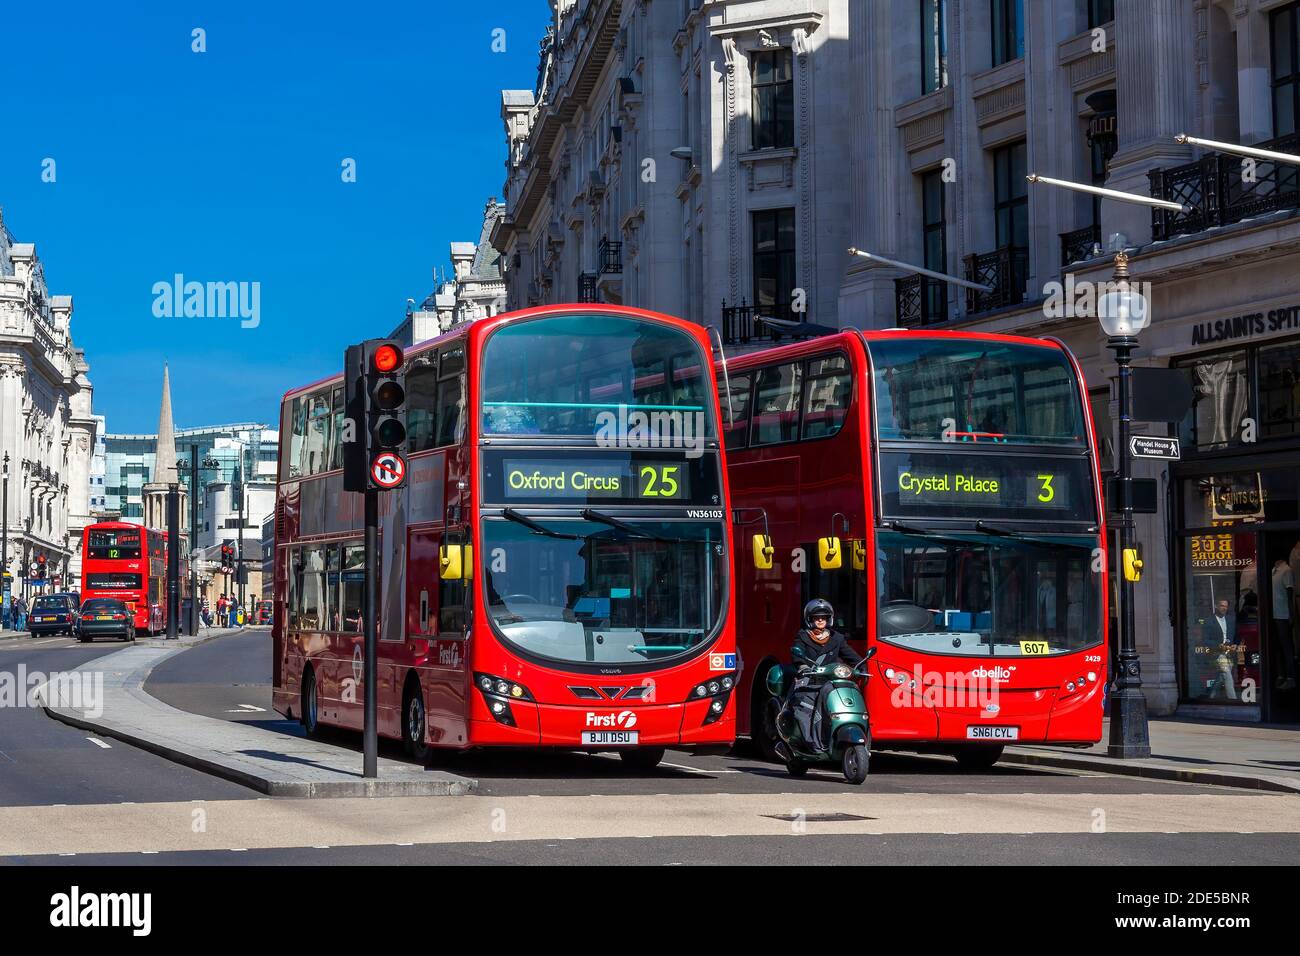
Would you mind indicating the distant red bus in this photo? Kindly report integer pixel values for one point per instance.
(541, 582)
(942, 491)
(129, 562)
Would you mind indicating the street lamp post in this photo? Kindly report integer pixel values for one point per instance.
(1123, 314)
(4, 546)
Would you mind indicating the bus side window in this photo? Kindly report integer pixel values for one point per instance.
(298, 436)
(352, 591)
(826, 396)
(336, 431)
(776, 404)
(735, 427)
(451, 407)
(421, 396)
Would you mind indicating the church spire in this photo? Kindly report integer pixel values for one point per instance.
(164, 469)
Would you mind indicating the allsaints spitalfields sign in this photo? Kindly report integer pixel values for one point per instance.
(1249, 325)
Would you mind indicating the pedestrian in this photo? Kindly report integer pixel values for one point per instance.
(20, 614)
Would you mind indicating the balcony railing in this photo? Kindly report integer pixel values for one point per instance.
(1219, 189)
(1005, 270)
(739, 327)
(587, 287)
(920, 300)
(1078, 245)
(610, 255)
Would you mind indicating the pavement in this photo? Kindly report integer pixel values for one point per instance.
(1254, 756)
(240, 752)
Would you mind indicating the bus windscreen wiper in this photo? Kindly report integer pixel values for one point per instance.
(536, 527)
(985, 528)
(593, 515)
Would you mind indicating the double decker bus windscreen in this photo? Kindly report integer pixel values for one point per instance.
(111, 543)
(613, 378)
(603, 590)
(975, 390)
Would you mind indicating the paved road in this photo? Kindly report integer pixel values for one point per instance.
(44, 762)
(229, 678)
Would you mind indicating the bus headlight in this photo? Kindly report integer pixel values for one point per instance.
(497, 693)
(717, 691)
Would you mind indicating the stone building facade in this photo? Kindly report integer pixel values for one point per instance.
(682, 156)
(47, 429)
(1096, 92)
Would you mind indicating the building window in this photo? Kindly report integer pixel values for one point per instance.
(1011, 197)
(772, 111)
(1008, 22)
(935, 244)
(1220, 400)
(1283, 26)
(773, 261)
(934, 45)
(1099, 12)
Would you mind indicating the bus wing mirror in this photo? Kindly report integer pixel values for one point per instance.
(763, 551)
(859, 555)
(451, 562)
(830, 553)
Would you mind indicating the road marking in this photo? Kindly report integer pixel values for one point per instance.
(99, 743)
(248, 709)
(682, 766)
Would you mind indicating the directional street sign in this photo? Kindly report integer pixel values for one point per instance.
(1145, 446)
(388, 469)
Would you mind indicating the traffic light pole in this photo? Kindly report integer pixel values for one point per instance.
(193, 623)
(370, 742)
(173, 561)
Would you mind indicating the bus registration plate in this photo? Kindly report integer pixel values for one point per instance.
(610, 738)
(986, 732)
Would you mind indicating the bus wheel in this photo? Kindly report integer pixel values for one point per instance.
(977, 757)
(796, 767)
(762, 720)
(642, 758)
(413, 724)
(310, 717)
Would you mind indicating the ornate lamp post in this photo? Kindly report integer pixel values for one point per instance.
(1123, 314)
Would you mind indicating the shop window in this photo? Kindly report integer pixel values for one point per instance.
(1223, 656)
(1220, 401)
(1279, 390)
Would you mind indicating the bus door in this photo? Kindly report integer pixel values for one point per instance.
(435, 617)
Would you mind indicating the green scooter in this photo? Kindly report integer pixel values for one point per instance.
(844, 724)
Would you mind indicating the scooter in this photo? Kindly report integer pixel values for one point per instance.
(844, 722)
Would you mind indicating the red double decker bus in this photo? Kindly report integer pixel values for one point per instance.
(556, 569)
(942, 491)
(128, 562)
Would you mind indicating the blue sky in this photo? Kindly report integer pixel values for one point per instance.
(225, 166)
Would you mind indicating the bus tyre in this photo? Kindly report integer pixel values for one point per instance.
(796, 768)
(310, 714)
(976, 757)
(762, 720)
(856, 760)
(414, 724)
(642, 758)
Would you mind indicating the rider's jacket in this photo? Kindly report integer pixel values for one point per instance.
(806, 650)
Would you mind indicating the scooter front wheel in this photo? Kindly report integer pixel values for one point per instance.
(856, 759)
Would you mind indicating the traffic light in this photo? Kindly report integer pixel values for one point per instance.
(40, 567)
(374, 429)
(227, 557)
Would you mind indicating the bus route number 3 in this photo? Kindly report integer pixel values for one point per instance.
(1046, 493)
(660, 482)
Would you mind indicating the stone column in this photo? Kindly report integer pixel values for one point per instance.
(1155, 81)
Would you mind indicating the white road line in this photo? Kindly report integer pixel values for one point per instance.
(248, 709)
(99, 743)
(682, 766)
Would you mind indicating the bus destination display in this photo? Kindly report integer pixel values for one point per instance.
(958, 485)
(629, 480)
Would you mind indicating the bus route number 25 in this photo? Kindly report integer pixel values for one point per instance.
(660, 482)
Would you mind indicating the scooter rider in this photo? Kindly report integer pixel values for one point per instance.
(814, 640)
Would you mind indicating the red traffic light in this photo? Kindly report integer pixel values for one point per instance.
(40, 559)
(387, 358)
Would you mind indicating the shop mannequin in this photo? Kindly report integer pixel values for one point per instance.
(1283, 596)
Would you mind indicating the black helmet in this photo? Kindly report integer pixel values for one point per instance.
(818, 607)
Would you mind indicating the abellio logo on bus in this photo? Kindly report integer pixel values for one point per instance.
(625, 720)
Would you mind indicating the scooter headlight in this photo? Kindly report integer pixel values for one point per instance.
(843, 672)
